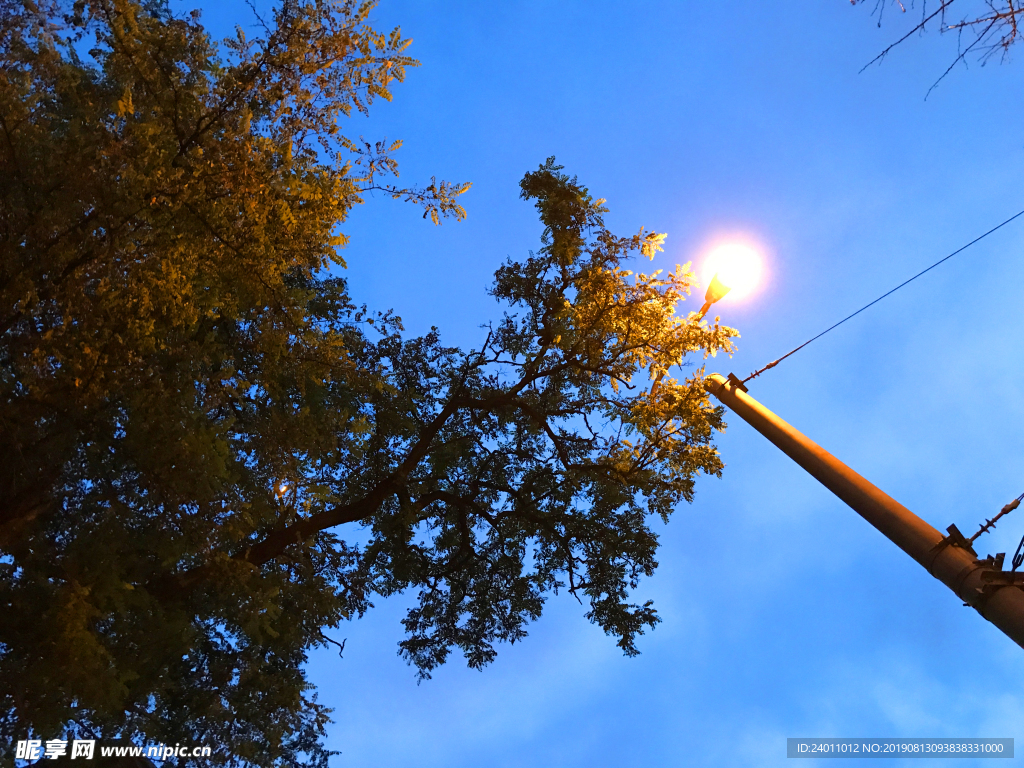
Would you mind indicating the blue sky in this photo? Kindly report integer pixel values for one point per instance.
(784, 614)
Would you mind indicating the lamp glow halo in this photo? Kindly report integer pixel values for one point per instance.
(738, 267)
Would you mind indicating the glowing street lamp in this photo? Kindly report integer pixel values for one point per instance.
(716, 290)
(732, 267)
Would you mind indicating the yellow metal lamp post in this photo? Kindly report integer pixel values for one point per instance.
(981, 583)
(996, 594)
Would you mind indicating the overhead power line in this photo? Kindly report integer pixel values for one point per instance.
(933, 266)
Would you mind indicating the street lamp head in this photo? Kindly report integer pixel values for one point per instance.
(732, 267)
(716, 290)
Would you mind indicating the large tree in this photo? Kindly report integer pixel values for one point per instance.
(196, 419)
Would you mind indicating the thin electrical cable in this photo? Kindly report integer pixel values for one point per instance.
(933, 266)
(990, 524)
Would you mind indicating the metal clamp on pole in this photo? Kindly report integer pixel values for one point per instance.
(736, 382)
(954, 539)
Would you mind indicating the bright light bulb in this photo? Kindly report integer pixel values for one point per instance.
(738, 268)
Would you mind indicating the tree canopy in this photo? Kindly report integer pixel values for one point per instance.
(198, 421)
